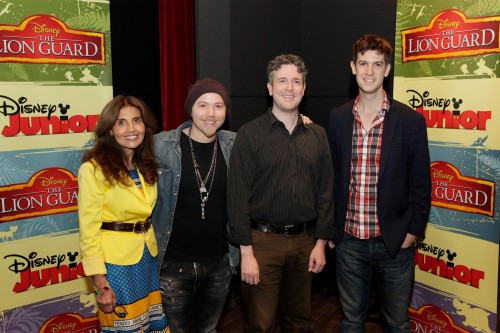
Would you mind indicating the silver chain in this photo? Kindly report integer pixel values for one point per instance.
(210, 175)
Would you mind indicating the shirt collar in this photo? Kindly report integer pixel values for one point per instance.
(383, 109)
(272, 120)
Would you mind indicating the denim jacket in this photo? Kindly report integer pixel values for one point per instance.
(168, 155)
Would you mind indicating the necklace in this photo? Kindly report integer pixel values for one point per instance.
(204, 193)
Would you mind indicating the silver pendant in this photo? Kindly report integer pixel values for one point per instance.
(203, 189)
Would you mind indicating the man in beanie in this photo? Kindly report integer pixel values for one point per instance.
(190, 216)
(280, 204)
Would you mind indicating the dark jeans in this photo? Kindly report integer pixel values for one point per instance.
(285, 283)
(194, 294)
(355, 260)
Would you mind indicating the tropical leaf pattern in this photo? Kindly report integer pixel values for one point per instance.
(21, 320)
(18, 71)
(95, 21)
(12, 172)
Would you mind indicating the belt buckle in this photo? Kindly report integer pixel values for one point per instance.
(141, 229)
(289, 230)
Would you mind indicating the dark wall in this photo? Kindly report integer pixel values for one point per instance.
(135, 51)
(235, 39)
(320, 31)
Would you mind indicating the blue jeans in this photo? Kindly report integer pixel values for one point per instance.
(355, 260)
(194, 294)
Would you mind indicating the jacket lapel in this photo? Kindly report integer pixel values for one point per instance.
(347, 138)
(143, 195)
(390, 122)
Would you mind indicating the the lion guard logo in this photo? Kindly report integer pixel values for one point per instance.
(451, 34)
(45, 39)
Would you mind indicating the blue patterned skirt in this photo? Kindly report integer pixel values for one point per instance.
(137, 289)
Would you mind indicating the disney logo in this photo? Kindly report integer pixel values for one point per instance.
(9, 107)
(442, 175)
(433, 317)
(436, 250)
(62, 327)
(417, 100)
(21, 263)
(43, 28)
(444, 24)
(44, 181)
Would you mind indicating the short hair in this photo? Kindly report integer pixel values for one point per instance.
(286, 59)
(109, 155)
(375, 43)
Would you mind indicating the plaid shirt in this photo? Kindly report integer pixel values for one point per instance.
(361, 219)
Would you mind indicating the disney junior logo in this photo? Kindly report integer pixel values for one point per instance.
(437, 113)
(428, 259)
(39, 117)
(36, 271)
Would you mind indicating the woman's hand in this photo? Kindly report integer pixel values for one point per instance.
(105, 295)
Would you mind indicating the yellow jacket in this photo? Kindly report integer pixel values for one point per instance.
(99, 202)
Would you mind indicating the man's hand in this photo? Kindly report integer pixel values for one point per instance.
(306, 120)
(249, 265)
(317, 259)
(408, 241)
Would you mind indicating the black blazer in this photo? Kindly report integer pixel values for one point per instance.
(404, 184)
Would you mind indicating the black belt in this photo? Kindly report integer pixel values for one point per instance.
(140, 227)
(287, 230)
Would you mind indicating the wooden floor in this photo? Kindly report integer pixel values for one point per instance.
(325, 310)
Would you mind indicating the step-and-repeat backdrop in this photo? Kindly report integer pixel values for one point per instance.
(446, 68)
(55, 78)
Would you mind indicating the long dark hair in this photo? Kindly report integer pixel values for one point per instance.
(109, 155)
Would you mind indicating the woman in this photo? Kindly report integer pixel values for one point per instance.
(117, 193)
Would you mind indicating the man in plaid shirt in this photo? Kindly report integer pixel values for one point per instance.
(382, 191)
